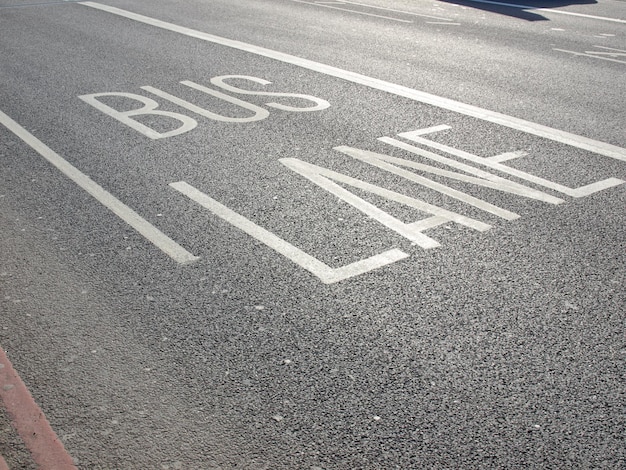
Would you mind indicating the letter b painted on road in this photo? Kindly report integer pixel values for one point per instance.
(149, 108)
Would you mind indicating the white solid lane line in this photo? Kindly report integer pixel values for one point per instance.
(539, 130)
(128, 215)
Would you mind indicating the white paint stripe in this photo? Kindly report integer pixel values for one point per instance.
(443, 22)
(145, 228)
(382, 161)
(503, 157)
(610, 54)
(593, 56)
(611, 49)
(573, 192)
(353, 11)
(551, 10)
(484, 179)
(324, 272)
(367, 208)
(585, 143)
(322, 176)
(404, 12)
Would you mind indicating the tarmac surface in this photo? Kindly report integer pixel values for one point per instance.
(336, 236)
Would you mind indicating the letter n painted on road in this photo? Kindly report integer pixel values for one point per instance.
(413, 232)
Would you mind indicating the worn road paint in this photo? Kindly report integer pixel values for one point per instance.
(539, 130)
(404, 12)
(353, 11)
(128, 215)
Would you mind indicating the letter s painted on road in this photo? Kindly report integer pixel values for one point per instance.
(319, 103)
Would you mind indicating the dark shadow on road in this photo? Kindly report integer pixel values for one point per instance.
(522, 9)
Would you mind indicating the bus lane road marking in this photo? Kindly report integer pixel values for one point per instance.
(328, 180)
(322, 271)
(600, 148)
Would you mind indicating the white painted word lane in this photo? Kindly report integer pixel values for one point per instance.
(414, 232)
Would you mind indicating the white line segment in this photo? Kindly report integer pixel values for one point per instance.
(539, 130)
(324, 272)
(352, 11)
(593, 55)
(128, 215)
(404, 12)
(385, 162)
(582, 191)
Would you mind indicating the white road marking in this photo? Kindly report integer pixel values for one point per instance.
(583, 191)
(149, 107)
(259, 113)
(385, 162)
(443, 22)
(60, 2)
(320, 104)
(321, 270)
(323, 176)
(539, 130)
(614, 52)
(503, 157)
(602, 54)
(128, 215)
(352, 11)
(484, 178)
(404, 12)
(551, 10)
(593, 56)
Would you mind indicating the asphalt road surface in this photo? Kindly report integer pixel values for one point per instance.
(284, 234)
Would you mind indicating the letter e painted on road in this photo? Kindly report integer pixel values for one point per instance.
(496, 164)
